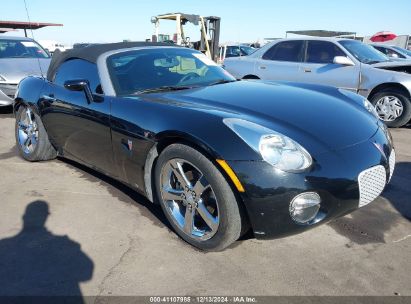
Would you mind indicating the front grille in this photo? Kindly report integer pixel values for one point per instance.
(8, 89)
(392, 163)
(371, 182)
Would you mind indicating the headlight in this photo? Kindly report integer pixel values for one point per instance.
(276, 149)
(370, 108)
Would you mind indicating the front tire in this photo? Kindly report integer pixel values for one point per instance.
(31, 138)
(196, 199)
(392, 107)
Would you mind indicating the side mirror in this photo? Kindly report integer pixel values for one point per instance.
(342, 60)
(78, 86)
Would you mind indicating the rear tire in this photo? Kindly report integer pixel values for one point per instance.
(31, 138)
(392, 107)
(224, 212)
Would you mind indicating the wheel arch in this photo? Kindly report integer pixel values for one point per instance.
(167, 138)
(28, 94)
(390, 86)
(162, 141)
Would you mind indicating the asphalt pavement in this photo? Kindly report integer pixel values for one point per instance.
(71, 231)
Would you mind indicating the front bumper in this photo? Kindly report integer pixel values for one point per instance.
(7, 92)
(334, 176)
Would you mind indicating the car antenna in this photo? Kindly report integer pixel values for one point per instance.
(32, 36)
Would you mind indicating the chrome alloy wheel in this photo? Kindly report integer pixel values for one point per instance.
(189, 199)
(389, 108)
(28, 133)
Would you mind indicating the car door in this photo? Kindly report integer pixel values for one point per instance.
(319, 67)
(79, 125)
(281, 62)
(130, 140)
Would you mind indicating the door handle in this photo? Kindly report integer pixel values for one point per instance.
(307, 70)
(262, 67)
(49, 97)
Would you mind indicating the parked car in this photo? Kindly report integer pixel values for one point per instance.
(52, 46)
(81, 45)
(343, 63)
(393, 52)
(217, 154)
(19, 57)
(237, 50)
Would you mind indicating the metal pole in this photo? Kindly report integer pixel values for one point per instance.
(205, 37)
(25, 32)
(178, 29)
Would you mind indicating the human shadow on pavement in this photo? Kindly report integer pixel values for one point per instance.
(6, 111)
(35, 262)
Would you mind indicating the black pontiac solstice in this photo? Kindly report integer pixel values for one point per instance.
(220, 156)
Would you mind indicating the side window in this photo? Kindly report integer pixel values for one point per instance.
(322, 52)
(392, 53)
(389, 52)
(381, 49)
(286, 51)
(232, 51)
(79, 69)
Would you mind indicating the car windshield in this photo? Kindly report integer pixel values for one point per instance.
(10, 48)
(363, 52)
(247, 49)
(163, 69)
(404, 51)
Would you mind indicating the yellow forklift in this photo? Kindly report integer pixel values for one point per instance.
(209, 30)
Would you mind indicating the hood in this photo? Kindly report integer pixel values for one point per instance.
(318, 117)
(397, 66)
(15, 69)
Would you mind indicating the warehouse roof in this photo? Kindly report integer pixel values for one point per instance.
(322, 33)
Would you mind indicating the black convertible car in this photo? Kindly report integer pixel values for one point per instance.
(221, 156)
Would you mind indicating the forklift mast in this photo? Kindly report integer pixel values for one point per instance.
(209, 29)
(212, 27)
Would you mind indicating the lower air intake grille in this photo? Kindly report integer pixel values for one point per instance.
(392, 163)
(371, 182)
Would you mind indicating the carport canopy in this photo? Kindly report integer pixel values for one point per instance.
(322, 33)
(6, 26)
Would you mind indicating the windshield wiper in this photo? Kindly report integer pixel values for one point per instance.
(221, 81)
(162, 89)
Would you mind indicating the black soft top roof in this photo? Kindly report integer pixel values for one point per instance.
(91, 53)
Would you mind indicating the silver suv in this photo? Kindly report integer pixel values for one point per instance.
(343, 63)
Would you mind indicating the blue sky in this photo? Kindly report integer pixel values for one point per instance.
(109, 20)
